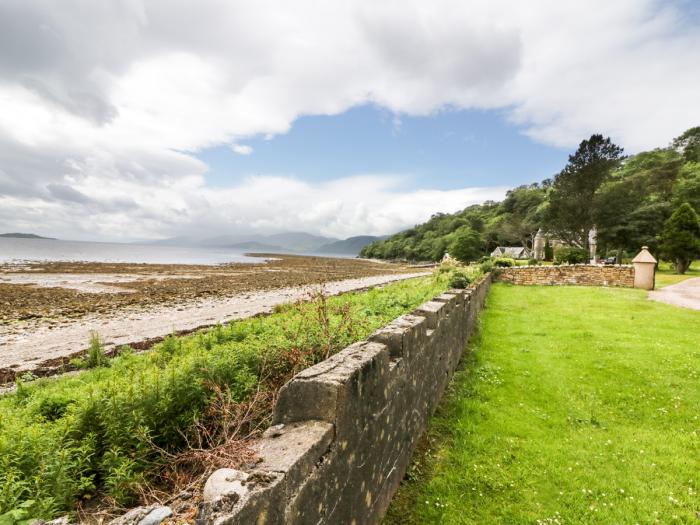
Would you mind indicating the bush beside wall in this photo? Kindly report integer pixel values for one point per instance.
(345, 429)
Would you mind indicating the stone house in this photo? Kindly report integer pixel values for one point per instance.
(514, 252)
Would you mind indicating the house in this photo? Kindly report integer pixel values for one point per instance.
(514, 252)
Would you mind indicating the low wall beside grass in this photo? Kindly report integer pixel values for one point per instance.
(576, 274)
(345, 429)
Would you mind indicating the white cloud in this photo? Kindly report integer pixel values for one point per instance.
(105, 103)
(242, 149)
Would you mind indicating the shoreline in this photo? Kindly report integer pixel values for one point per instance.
(138, 306)
(142, 330)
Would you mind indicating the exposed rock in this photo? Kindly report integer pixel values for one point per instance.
(133, 517)
(156, 516)
(63, 520)
(225, 482)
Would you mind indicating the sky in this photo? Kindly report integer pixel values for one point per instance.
(129, 120)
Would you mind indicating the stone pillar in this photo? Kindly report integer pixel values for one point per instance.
(593, 244)
(538, 246)
(644, 270)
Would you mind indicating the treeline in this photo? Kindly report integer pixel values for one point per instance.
(628, 199)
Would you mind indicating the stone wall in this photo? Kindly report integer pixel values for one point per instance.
(580, 274)
(344, 430)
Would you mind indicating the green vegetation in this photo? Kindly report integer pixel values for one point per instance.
(466, 244)
(577, 405)
(628, 199)
(570, 255)
(666, 274)
(680, 240)
(109, 431)
(571, 200)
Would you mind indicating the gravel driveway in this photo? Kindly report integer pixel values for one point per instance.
(685, 294)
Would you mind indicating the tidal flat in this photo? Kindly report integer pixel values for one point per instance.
(49, 310)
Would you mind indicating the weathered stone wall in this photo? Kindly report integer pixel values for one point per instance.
(345, 429)
(580, 274)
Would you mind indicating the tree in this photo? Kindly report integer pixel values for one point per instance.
(687, 188)
(467, 245)
(521, 215)
(680, 240)
(689, 144)
(548, 251)
(570, 211)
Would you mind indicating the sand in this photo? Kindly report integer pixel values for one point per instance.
(33, 344)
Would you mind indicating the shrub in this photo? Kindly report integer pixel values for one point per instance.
(486, 266)
(533, 262)
(112, 429)
(95, 355)
(548, 251)
(504, 262)
(460, 280)
(680, 240)
(570, 255)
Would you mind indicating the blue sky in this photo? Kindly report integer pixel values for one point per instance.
(446, 150)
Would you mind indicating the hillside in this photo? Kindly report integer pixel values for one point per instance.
(298, 242)
(349, 246)
(25, 236)
(256, 247)
(628, 199)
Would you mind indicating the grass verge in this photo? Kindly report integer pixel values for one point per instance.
(666, 274)
(109, 432)
(577, 405)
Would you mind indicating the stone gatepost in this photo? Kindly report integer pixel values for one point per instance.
(644, 270)
(538, 246)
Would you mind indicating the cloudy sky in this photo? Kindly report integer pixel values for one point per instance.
(142, 119)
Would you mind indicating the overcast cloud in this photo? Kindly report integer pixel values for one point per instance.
(104, 104)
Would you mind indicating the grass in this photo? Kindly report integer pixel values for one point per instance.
(577, 405)
(666, 274)
(108, 432)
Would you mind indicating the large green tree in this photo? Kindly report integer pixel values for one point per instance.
(520, 215)
(467, 245)
(680, 240)
(689, 144)
(631, 205)
(570, 212)
(687, 188)
(629, 200)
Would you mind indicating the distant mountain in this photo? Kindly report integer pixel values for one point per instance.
(229, 239)
(253, 246)
(294, 242)
(25, 236)
(299, 241)
(350, 246)
(174, 241)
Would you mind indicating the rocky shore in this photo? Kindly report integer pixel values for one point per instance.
(47, 311)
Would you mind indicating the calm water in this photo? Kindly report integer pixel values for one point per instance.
(21, 250)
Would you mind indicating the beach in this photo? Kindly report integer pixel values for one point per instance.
(49, 310)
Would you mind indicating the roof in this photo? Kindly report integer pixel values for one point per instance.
(513, 251)
(644, 256)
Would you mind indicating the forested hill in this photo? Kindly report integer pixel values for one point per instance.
(628, 199)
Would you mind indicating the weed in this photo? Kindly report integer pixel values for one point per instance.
(159, 419)
(95, 356)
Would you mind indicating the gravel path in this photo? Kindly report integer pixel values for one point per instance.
(685, 294)
(27, 349)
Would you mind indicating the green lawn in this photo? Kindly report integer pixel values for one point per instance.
(576, 405)
(666, 274)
